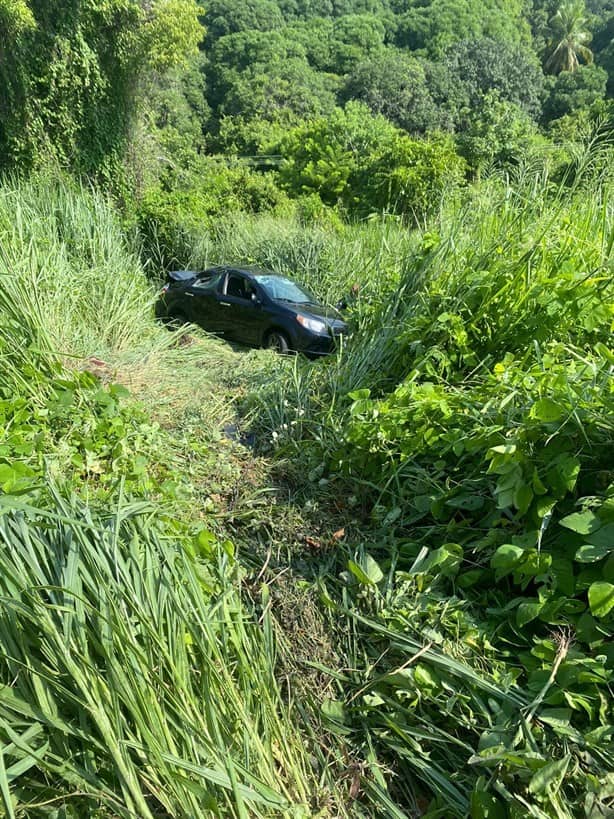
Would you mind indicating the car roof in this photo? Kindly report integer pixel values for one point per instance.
(251, 271)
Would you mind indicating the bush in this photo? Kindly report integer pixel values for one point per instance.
(363, 164)
(409, 178)
(172, 222)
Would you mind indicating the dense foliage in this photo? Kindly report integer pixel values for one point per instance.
(470, 419)
(122, 91)
(70, 75)
(448, 163)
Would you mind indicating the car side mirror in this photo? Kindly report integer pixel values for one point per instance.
(255, 299)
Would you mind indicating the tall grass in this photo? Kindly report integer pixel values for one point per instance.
(508, 267)
(133, 678)
(69, 270)
(466, 418)
(329, 260)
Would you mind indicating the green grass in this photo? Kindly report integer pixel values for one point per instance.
(71, 274)
(135, 679)
(415, 617)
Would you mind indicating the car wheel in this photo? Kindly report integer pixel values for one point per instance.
(277, 341)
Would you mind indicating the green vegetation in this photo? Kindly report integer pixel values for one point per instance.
(235, 584)
(468, 425)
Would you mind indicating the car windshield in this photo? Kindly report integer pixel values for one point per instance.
(281, 289)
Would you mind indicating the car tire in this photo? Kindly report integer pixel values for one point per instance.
(276, 340)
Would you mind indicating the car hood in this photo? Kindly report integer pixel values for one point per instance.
(318, 311)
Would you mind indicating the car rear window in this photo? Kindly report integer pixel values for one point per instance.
(208, 283)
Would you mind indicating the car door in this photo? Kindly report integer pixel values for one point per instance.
(202, 300)
(242, 308)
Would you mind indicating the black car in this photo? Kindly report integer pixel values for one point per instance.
(254, 307)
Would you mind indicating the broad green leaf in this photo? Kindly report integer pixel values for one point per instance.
(335, 716)
(425, 678)
(506, 558)
(504, 449)
(534, 563)
(587, 629)
(470, 503)
(556, 717)
(228, 548)
(505, 499)
(206, 543)
(547, 411)
(564, 576)
(589, 553)
(604, 351)
(603, 536)
(527, 612)
(545, 505)
(373, 570)
(447, 559)
(523, 497)
(119, 391)
(392, 516)
(486, 806)
(550, 776)
(359, 395)
(470, 578)
(360, 574)
(584, 523)
(601, 598)
(538, 486)
(563, 473)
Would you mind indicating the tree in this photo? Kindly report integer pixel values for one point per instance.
(258, 74)
(396, 85)
(487, 65)
(569, 39)
(75, 74)
(270, 92)
(499, 133)
(435, 25)
(356, 37)
(574, 92)
(362, 162)
(321, 155)
(224, 17)
(408, 178)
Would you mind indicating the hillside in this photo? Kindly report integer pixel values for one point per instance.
(414, 567)
(240, 584)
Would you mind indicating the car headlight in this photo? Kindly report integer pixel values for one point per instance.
(312, 324)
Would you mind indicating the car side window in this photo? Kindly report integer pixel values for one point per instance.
(238, 287)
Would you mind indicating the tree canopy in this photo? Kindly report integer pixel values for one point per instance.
(141, 86)
(70, 82)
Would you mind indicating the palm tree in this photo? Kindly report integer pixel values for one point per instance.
(569, 40)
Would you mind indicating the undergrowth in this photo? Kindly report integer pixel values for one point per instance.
(135, 679)
(417, 620)
(468, 426)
